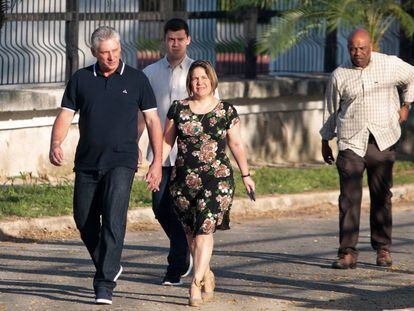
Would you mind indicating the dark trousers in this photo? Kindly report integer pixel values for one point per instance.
(163, 207)
(351, 167)
(101, 200)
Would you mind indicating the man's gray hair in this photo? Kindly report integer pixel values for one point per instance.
(103, 33)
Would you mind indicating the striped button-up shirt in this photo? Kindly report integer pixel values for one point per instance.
(360, 101)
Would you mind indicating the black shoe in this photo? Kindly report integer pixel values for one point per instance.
(103, 296)
(171, 280)
(345, 261)
(384, 258)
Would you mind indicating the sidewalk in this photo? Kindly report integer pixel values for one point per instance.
(242, 208)
(266, 264)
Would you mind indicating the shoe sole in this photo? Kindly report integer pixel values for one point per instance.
(101, 301)
(385, 265)
(353, 266)
(208, 296)
(195, 302)
(167, 283)
(190, 268)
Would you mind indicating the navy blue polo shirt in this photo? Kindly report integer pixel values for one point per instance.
(108, 109)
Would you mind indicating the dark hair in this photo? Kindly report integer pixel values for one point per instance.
(176, 24)
(209, 69)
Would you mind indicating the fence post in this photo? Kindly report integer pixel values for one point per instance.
(71, 37)
(167, 9)
(250, 32)
(330, 51)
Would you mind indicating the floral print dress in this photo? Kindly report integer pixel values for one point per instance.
(202, 184)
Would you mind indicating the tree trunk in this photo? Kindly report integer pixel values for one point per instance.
(406, 44)
(330, 51)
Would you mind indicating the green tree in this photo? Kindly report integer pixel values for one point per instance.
(4, 6)
(304, 16)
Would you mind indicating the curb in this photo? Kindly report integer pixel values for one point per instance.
(241, 208)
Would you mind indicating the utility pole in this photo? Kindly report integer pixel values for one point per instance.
(406, 44)
(72, 37)
(250, 33)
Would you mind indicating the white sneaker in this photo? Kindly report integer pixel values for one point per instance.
(103, 296)
(171, 281)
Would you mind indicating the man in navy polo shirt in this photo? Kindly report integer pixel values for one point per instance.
(108, 96)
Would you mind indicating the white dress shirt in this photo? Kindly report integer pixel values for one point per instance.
(168, 85)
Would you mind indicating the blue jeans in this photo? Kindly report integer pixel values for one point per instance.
(100, 206)
(163, 207)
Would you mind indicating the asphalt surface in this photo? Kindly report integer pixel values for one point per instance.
(263, 264)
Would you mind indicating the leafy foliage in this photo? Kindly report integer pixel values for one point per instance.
(305, 16)
(144, 44)
(3, 8)
(6, 5)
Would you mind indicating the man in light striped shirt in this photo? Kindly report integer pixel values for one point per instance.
(362, 109)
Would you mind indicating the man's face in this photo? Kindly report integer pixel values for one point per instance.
(176, 43)
(360, 51)
(108, 55)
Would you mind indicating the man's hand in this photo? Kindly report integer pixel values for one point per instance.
(56, 155)
(59, 132)
(327, 153)
(139, 158)
(153, 177)
(404, 112)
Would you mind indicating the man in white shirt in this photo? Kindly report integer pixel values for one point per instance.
(363, 111)
(167, 78)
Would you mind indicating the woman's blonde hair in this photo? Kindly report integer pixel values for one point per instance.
(211, 74)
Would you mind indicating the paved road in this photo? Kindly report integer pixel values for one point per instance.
(264, 264)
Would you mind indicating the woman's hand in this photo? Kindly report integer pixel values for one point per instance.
(249, 184)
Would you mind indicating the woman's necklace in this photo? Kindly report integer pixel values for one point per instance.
(201, 120)
(204, 114)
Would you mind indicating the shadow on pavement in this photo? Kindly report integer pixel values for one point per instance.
(50, 291)
(295, 277)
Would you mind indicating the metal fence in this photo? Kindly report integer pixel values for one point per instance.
(44, 41)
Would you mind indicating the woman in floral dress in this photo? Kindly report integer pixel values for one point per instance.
(202, 183)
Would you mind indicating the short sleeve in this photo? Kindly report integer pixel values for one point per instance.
(172, 110)
(232, 116)
(69, 96)
(147, 98)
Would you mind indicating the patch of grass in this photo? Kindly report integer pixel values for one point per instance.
(291, 180)
(33, 200)
(37, 200)
(321, 178)
(140, 196)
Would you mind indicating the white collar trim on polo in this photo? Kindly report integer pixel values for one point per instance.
(122, 69)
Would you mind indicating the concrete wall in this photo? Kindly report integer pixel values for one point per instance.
(280, 118)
